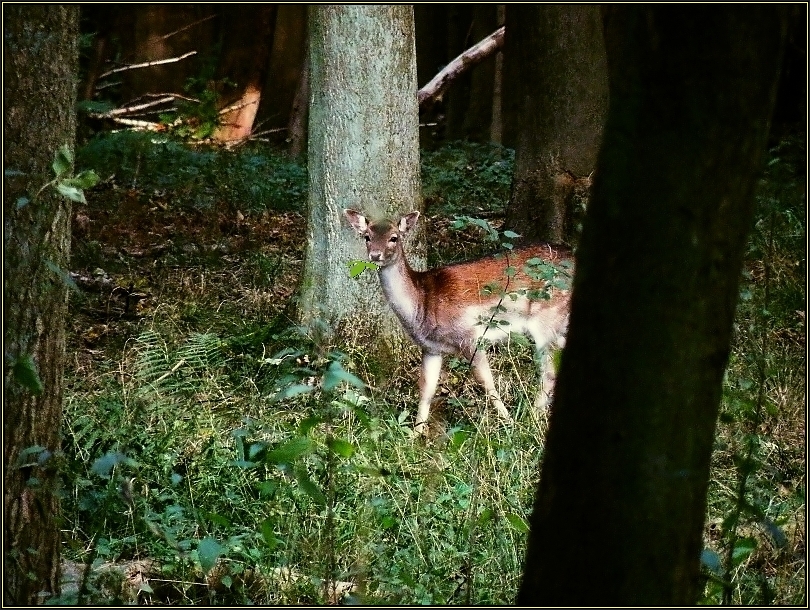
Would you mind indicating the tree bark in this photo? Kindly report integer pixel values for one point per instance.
(620, 508)
(39, 74)
(363, 154)
(246, 55)
(562, 85)
(284, 74)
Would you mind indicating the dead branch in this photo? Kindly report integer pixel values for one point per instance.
(147, 64)
(130, 109)
(185, 27)
(469, 58)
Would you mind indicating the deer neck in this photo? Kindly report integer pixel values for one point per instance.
(401, 290)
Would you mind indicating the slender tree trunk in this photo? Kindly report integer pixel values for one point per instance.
(562, 85)
(619, 514)
(363, 153)
(496, 125)
(39, 77)
(248, 39)
(161, 31)
(284, 72)
(297, 127)
(478, 115)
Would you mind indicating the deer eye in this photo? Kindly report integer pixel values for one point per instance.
(393, 239)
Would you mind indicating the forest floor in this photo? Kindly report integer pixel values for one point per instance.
(192, 477)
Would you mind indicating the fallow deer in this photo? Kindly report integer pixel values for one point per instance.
(448, 310)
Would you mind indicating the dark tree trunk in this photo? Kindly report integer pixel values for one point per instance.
(459, 38)
(478, 115)
(297, 127)
(150, 32)
(39, 78)
(562, 85)
(247, 40)
(620, 508)
(284, 76)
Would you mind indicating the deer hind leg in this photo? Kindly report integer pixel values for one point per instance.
(428, 382)
(545, 354)
(483, 374)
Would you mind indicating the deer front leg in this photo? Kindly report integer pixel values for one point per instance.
(483, 374)
(428, 382)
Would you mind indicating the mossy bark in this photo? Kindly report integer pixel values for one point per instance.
(619, 514)
(39, 72)
(363, 154)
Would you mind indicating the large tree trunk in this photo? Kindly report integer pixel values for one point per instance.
(363, 153)
(39, 77)
(562, 85)
(620, 508)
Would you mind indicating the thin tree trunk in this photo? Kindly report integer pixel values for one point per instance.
(619, 514)
(248, 40)
(39, 77)
(297, 127)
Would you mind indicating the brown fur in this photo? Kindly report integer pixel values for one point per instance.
(446, 310)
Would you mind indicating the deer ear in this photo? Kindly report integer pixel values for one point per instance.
(356, 220)
(406, 223)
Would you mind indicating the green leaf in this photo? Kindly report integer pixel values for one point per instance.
(308, 424)
(289, 451)
(22, 202)
(208, 551)
(743, 548)
(62, 161)
(269, 533)
(293, 390)
(104, 465)
(85, 180)
(711, 561)
(510, 235)
(26, 374)
(356, 267)
(176, 478)
(335, 374)
(517, 522)
(341, 447)
(63, 275)
(309, 487)
(71, 192)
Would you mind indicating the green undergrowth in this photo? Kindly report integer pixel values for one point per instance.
(217, 454)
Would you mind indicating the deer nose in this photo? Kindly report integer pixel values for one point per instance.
(375, 256)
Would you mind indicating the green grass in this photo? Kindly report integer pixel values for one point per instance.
(186, 459)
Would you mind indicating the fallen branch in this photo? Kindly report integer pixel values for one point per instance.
(457, 67)
(147, 64)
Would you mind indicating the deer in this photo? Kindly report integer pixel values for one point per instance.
(449, 310)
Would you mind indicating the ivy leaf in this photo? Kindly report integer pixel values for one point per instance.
(26, 374)
(62, 161)
(85, 180)
(71, 192)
